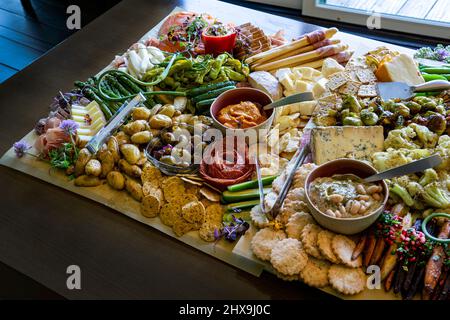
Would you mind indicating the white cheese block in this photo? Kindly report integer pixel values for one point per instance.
(306, 73)
(280, 73)
(402, 68)
(302, 86)
(330, 143)
(305, 108)
(266, 82)
(319, 88)
(331, 66)
(287, 83)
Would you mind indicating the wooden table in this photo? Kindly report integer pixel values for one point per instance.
(44, 229)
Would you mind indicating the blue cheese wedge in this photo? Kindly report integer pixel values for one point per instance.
(331, 143)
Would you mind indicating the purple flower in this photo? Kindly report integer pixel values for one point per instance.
(20, 147)
(442, 54)
(69, 126)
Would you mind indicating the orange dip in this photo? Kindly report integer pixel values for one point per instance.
(242, 115)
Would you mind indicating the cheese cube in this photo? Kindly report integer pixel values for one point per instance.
(306, 73)
(330, 143)
(287, 82)
(302, 86)
(280, 73)
(331, 66)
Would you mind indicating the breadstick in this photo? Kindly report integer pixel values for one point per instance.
(311, 47)
(308, 39)
(303, 57)
(341, 57)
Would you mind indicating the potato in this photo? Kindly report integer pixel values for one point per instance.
(113, 148)
(180, 103)
(135, 126)
(93, 168)
(141, 137)
(141, 113)
(168, 110)
(134, 188)
(87, 181)
(130, 152)
(143, 160)
(160, 121)
(182, 118)
(83, 157)
(116, 180)
(107, 161)
(122, 138)
(131, 170)
(155, 109)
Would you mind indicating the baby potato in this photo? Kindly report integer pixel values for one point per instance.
(116, 180)
(134, 188)
(141, 113)
(129, 169)
(87, 181)
(93, 168)
(83, 157)
(122, 138)
(168, 110)
(135, 126)
(130, 152)
(113, 148)
(141, 137)
(160, 121)
(107, 161)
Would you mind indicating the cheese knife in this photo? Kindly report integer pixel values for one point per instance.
(401, 90)
(412, 167)
(298, 97)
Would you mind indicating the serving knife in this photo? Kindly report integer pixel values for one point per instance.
(114, 123)
(412, 167)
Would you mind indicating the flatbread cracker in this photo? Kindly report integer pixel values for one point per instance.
(309, 239)
(324, 239)
(343, 248)
(288, 257)
(315, 273)
(264, 240)
(296, 223)
(347, 280)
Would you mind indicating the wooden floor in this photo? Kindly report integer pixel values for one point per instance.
(436, 10)
(28, 28)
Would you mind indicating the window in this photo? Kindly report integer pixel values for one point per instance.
(422, 17)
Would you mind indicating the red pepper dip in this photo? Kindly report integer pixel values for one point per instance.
(222, 166)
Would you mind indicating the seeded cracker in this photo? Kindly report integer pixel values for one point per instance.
(288, 257)
(347, 280)
(309, 239)
(151, 174)
(350, 88)
(343, 248)
(150, 206)
(296, 223)
(181, 226)
(149, 188)
(206, 231)
(169, 212)
(315, 273)
(263, 242)
(365, 75)
(193, 212)
(173, 189)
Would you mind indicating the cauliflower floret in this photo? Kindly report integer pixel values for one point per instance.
(401, 138)
(391, 158)
(443, 149)
(427, 138)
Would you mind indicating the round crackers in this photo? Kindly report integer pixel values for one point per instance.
(151, 174)
(315, 273)
(309, 239)
(193, 212)
(288, 257)
(259, 219)
(343, 249)
(324, 239)
(264, 240)
(347, 280)
(150, 206)
(169, 213)
(296, 223)
(173, 187)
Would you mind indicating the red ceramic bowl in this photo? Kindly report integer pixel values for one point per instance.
(344, 225)
(238, 95)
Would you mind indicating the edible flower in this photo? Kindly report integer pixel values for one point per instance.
(69, 126)
(20, 148)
